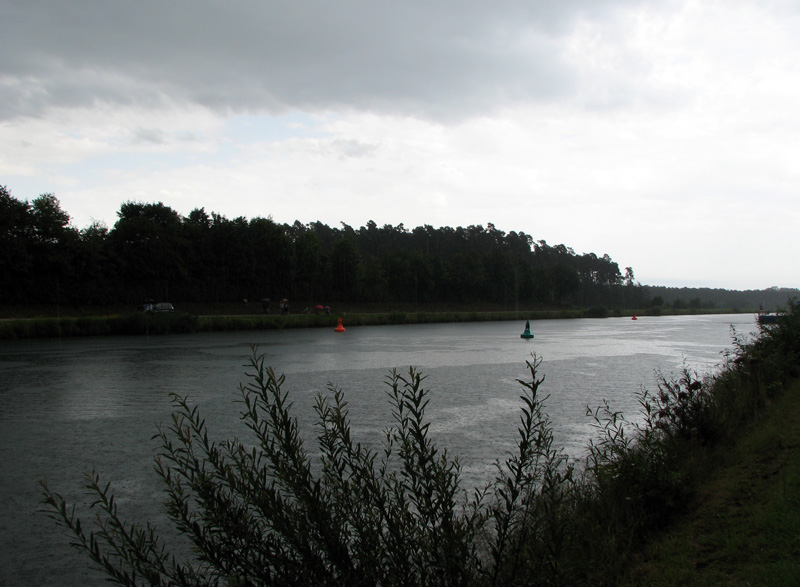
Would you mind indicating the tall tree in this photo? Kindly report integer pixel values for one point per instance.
(16, 260)
(310, 269)
(148, 241)
(346, 268)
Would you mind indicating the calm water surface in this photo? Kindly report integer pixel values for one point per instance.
(76, 405)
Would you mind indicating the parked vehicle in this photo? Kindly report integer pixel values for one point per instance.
(159, 307)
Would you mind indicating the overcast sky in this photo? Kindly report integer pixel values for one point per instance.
(665, 133)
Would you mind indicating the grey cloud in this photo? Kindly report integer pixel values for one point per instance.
(354, 149)
(152, 136)
(441, 60)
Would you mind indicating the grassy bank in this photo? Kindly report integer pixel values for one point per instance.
(743, 525)
(24, 323)
(184, 323)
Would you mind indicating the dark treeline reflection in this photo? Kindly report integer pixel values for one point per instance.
(152, 252)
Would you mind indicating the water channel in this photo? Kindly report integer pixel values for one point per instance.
(75, 405)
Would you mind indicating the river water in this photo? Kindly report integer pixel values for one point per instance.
(75, 405)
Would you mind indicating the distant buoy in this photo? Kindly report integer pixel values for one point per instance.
(527, 333)
(339, 327)
(634, 317)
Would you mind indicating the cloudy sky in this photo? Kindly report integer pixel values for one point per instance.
(665, 133)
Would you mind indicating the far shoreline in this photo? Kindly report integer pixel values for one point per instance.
(24, 323)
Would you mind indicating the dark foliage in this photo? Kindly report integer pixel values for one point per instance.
(152, 252)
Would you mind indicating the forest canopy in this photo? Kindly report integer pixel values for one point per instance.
(152, 252)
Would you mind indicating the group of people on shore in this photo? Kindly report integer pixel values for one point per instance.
(283, 307)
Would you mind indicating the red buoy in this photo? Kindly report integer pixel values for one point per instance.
(634, 317)
(339, 327)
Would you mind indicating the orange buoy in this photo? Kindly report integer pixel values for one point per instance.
(339, 327)
(634, 317)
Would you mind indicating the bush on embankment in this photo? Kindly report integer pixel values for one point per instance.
(742, 525)
(263, 511)
(637, 478)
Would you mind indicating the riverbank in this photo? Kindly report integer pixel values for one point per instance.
(743, 525)
(25, 323)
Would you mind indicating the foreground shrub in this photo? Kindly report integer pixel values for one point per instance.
(636, 475)
(267, 514)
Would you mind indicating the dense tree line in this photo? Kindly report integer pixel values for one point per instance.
(703, 297)
(152, 252)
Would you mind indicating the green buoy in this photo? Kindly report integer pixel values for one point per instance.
(527, 333)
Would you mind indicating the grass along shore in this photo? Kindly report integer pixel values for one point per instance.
(743, 525)
(49, 322)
